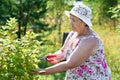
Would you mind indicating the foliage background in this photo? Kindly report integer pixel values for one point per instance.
(20, 55)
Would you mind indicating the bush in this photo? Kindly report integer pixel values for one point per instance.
(17, 57)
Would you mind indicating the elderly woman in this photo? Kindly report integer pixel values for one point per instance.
(83, 50)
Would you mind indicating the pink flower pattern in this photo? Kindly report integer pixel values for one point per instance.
(95, 68)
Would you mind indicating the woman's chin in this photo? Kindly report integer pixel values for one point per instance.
(73, 29)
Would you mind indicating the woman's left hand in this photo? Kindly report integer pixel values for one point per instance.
(37, 71)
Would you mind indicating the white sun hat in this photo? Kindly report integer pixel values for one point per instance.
(81, 11)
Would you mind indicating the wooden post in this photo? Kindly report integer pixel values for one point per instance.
(65, 34)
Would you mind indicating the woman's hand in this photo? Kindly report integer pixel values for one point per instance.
(37, 71)
(52, 58)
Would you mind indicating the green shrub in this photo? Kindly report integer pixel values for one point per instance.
(18, 57)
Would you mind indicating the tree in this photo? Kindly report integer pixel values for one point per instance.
(28, 12)
(56, 10)
(100, 9)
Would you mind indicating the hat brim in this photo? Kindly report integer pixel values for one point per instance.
(88, 22)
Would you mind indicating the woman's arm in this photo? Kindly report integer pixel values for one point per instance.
(79, 55)
(59, 55)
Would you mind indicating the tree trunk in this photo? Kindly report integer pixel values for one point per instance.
(19, 21)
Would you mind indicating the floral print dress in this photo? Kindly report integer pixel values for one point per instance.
(94, 68)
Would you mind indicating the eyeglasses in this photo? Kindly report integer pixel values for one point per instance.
(75, 21)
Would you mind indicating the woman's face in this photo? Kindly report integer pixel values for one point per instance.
(77, 24)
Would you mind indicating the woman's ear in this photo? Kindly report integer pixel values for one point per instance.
(86, 25)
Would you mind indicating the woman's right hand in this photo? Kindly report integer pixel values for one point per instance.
(52, 58)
